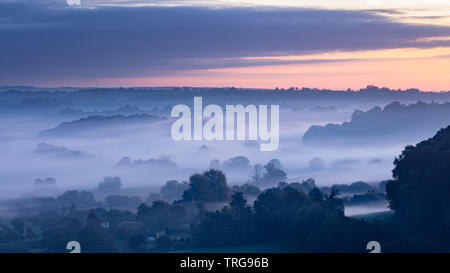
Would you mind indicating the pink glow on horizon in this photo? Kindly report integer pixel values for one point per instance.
(425, 69)
(408, 73)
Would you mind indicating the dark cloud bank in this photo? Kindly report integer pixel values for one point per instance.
(44, 40)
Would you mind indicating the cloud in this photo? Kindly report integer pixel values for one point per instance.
(41, 39)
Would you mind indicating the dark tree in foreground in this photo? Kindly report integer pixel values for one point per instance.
(232, 225)
(161, 215)
(138, 243)
(287, 215)
(93, 240)
(420, 190)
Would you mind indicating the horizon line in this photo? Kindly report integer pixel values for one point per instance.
(293, 88)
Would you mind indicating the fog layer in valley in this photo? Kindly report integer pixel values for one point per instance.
(76, 138)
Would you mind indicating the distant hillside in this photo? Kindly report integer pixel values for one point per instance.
(396, 122)
(161, 164)
(18, 100)
(124, 110)
(59, 151)
(353, 188)
(94, 123)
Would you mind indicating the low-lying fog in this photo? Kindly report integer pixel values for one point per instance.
(359, 210)
(144, 155)
(22, 162)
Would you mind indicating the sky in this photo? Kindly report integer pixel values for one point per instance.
(242, 43)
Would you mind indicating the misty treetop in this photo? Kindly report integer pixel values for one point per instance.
(207, 187)
(395, 122)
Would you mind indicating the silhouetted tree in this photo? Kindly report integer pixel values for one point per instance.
(211, 186)
(316, 195)
(273, 174)
(110, 184)
(94, 241)
(257, 174)
(138, 243)
(239, 204)
(420, 190)
(173, 190)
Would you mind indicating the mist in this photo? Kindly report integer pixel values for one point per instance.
(78, 141)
